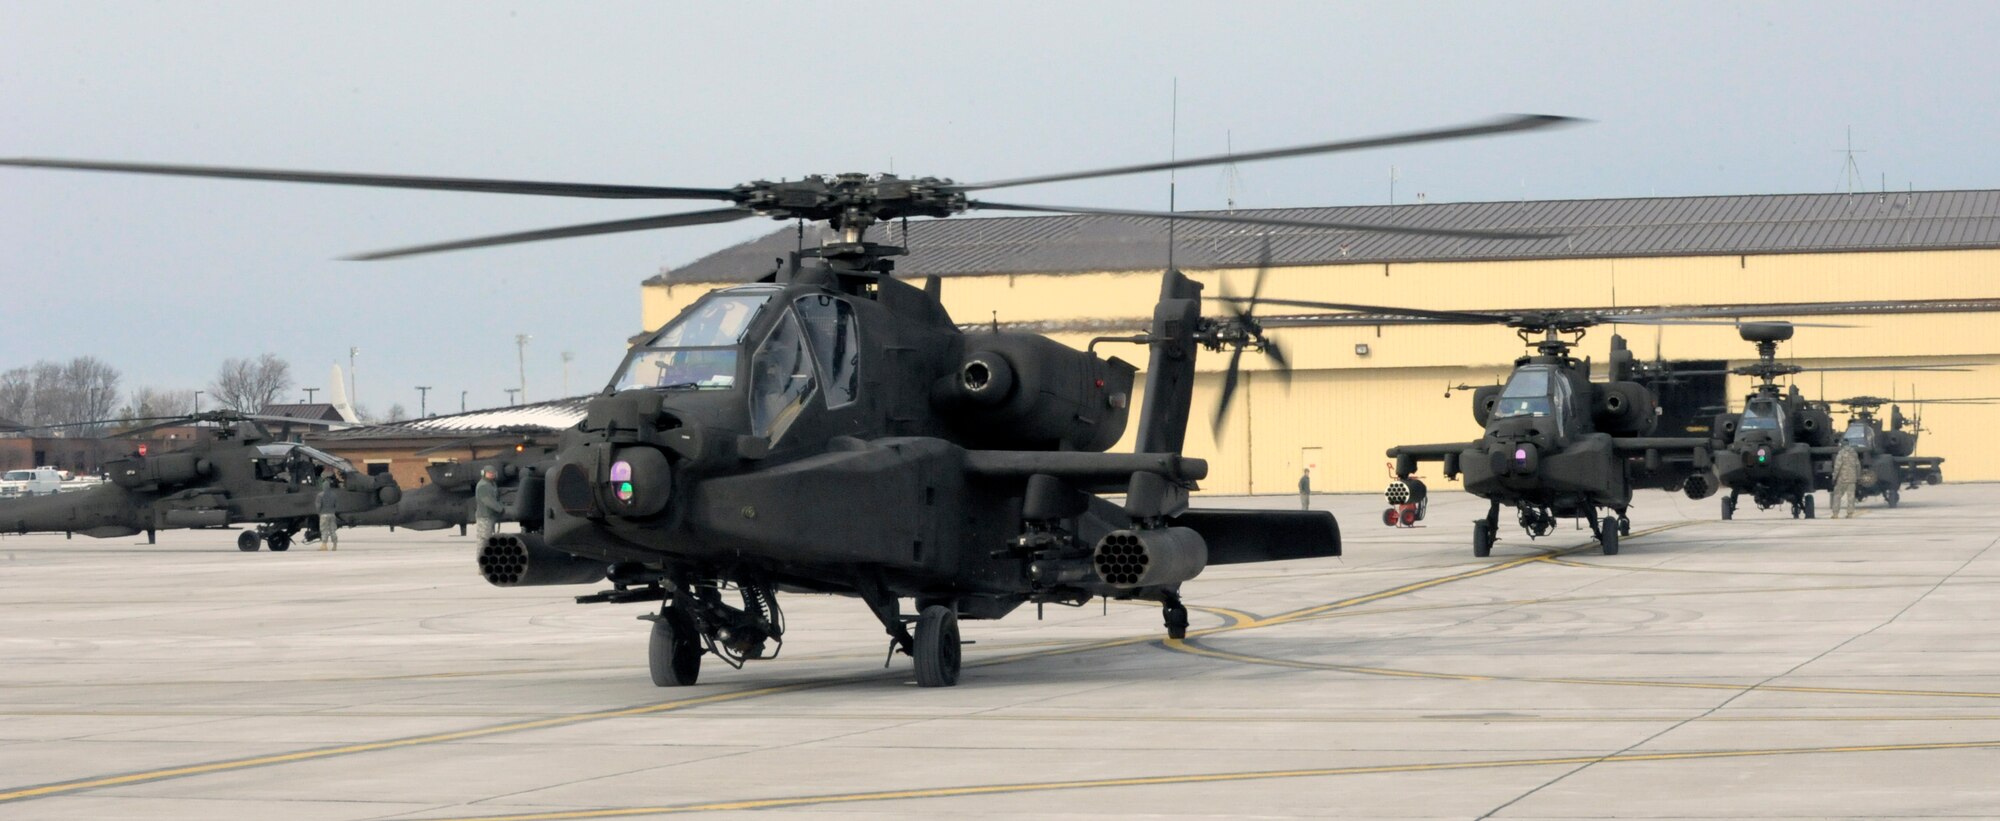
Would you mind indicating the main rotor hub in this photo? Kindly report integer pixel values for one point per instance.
(852, 202)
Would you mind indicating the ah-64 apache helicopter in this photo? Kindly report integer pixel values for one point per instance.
(236, 472)
(1889, 464)
(832, 430)
(1778, 448)
(446, 500)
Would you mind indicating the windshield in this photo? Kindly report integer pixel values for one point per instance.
(781, 377)
(1857, 434)
(1759, 416)
(698, 350)
(17, 475)
(1526, 394)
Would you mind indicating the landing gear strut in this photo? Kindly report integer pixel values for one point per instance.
(674, 653)
(1176, 615)
(1486, 531)
(936, 645)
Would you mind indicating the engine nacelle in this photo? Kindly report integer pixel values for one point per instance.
(1149, 558)
(523, 560)
(167, 469)
(1483, 400)
(1623, 408)
(1029, 392)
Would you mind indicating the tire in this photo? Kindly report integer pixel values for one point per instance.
(1807, 505)
(1728, 510)
(279, 542)
(1892, 497)
(1608, 537)
(1389, 517)
(673, 654)
(937, 647)
(1408, 517)
(247, 541)
(1482, 540)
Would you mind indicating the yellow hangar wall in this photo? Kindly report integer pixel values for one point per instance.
(1342, 409)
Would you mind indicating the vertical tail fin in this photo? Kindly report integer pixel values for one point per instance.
(1163, 416)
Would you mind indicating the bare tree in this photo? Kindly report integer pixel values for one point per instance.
(84, 389)
(148, 401)
(248, 385)
(396, 414)
(17, 395)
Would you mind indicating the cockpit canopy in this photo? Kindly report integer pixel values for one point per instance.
(813, 348)
(698, 350)
(1858, 434)
(1529, 392)
(1761, 415)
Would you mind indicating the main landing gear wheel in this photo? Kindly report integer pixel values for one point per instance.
(1607, 536)
(1728, 508)
(279, 541)
(937, 647)
(1482, 539)
(1177, 618)
(1892, 497)
(1806, 504)
(674, 653)
(247, 541)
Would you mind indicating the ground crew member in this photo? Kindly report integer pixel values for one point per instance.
(329, 521)
(1306, 489)
(1846, 472)
(486, 503)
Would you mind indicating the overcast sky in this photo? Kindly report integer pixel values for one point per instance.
(165, 278)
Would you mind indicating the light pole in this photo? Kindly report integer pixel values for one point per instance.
(309, 394)
(461, 400)
(197, 401)
(566, 357)
(521, 352)
(512, 393)
(353, 396)
(423, 397)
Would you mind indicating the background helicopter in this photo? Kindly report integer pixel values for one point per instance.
(236, 472)
(833, 430)
(447, 499)
(1889, 464)
(1780, 444)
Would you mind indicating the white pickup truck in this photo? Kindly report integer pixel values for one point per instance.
(41, 481)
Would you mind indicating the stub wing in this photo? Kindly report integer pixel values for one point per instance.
(1430, 453)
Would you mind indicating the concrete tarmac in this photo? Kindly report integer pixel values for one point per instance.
(1761, 668)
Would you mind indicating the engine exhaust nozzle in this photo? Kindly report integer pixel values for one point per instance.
(523, 560)
(1149, 558)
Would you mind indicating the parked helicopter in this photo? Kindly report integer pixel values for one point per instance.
(1556, 444)
(446, 500)
(832, 430)
(1889, 464)
(1780, 445)
(236, 472)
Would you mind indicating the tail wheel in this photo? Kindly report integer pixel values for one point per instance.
(1482, 540)
(937, 647)
(674, 653)
(247, 541)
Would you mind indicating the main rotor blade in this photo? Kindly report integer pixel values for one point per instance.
(1462, 317)
(546, 189)
(1237, 219)
(588, 229)
(1502, 125)
(1929, 368)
